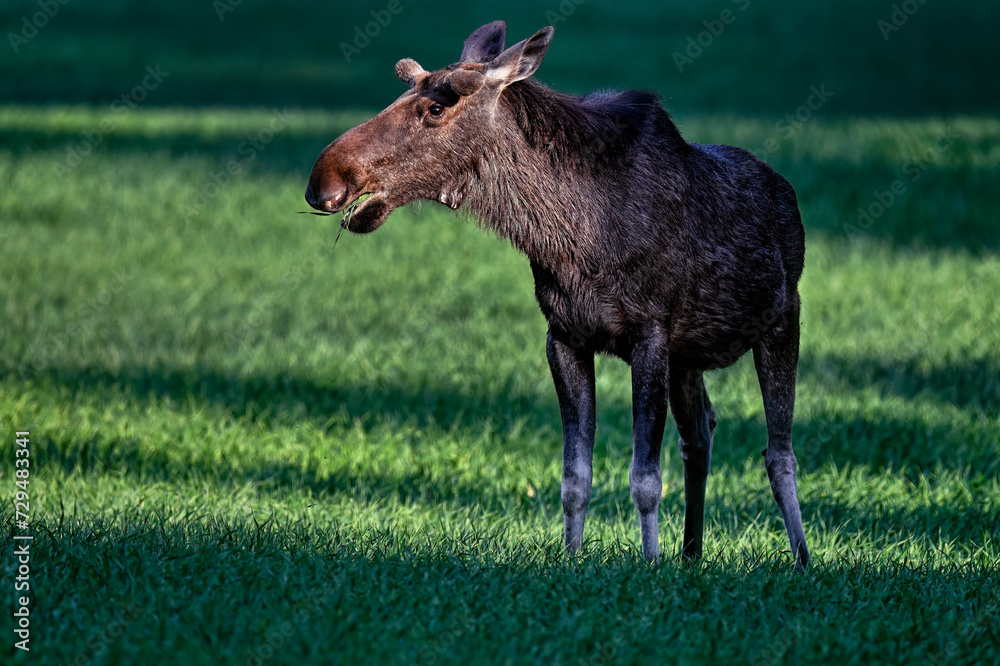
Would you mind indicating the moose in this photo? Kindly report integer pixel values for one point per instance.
(675, 257)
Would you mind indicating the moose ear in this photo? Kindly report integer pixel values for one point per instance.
(521, 60)
(409, 71)
(485, 44)
(465, 81)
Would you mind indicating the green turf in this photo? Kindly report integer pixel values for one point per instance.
(249, 447)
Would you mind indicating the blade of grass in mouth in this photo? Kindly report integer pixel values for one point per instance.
(348, 212)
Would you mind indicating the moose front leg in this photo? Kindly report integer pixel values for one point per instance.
(573, 374)
(649, 413)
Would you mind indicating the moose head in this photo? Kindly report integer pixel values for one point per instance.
(418, 147)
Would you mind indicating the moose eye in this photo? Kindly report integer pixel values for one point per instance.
(435, 110)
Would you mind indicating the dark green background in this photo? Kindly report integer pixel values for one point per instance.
(942, 60)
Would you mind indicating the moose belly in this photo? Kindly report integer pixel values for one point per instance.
(706, 329)
(700, 344)
(712, 348)
(715, 333)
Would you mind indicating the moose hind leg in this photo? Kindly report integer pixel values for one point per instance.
(695, 419)
(573, 374)
(776, 357)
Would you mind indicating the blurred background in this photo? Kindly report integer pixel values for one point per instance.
(939, 59)
(225, 409)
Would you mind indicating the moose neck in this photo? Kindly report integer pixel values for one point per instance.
(553, 167)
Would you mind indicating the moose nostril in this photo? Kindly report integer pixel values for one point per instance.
(331, 197)
(311, 197)
(336, 195)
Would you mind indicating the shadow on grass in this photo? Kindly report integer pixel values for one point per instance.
(226, 586)
(288, 153)
(908, 447)
(422, 487)
(267, 400)
(972, 383)
(419, 487)
(963, 524)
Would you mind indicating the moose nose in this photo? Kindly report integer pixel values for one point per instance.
(328, 197)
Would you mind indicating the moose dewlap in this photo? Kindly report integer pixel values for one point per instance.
(675, 257)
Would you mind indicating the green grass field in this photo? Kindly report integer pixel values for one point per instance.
(249, 447)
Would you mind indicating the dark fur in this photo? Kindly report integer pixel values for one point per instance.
(650, 228)
(675, 257)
